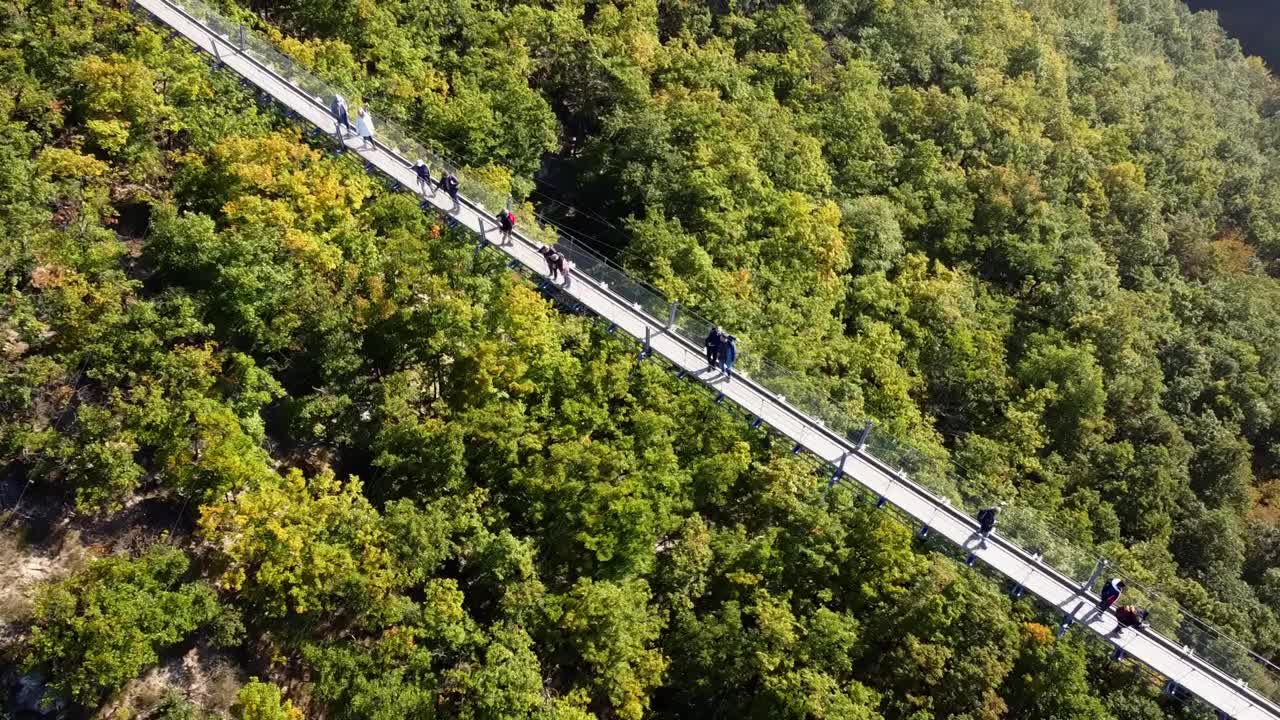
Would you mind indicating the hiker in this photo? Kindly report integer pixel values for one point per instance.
(987, 520)
(506, 223)
(449, 183)
(728, 353)
(339, 110)
(714, 338)
(561, 268)
(1110, 593)
(555, 262)
(364, 128)
(423, 172)
(1130, 616)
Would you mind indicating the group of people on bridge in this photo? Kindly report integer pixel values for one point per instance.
(722, 351)
(1127, 616)
(363, 129)
(364, 121)
(448, 182)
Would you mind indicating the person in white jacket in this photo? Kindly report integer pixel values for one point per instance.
(364, 127)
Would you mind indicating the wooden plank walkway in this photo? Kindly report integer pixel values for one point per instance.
(1216, 687)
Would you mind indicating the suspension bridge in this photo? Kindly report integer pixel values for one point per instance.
(603, 292)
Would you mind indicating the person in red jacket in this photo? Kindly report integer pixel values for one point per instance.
(506, 223)
(1130, 616)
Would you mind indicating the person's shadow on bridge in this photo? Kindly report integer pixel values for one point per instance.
(976, 541)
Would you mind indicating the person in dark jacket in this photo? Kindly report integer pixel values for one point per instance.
(1130, 616)
(1110, 594)
(423, 173)
(340, 112)
(987, 520)
(555, 261)
(545, 252)
(449, 184)
(561, 267)
(714, 339)
(728, 354)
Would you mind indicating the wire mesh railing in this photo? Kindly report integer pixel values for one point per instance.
(1026, 526)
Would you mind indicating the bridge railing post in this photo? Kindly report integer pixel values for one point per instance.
(671, 316)
(866, 433)
(1100, 568)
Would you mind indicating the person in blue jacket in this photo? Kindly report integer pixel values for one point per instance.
(728, 353)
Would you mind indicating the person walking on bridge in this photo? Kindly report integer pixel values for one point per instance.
(555, 262)
(1110, 594)
(714, 339)
(339, 110)
(562, 264)
(423, 173)
(506, 223)
(987, 520)
(364, 128)
(449, 183)
(728, 354)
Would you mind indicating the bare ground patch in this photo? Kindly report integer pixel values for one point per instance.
(24, 565)
(206, 677)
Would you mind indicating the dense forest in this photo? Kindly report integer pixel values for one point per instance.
(261, 415)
